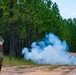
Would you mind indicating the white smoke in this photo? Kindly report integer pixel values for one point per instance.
(51, 50)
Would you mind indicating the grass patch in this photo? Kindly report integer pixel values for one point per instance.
(54, 67)
(13, 61)
(20, 62)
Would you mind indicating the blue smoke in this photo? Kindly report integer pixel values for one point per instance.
(51, 50)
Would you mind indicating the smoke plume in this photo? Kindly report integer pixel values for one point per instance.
(51, 50)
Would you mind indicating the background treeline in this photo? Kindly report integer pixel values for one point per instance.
(25, 21)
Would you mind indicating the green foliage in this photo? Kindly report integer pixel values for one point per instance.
(25, 21)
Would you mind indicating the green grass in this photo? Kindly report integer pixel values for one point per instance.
(54, 67)
(20, 62)
(13, 61)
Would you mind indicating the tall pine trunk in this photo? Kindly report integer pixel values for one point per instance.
(11, 51)
(28, 30)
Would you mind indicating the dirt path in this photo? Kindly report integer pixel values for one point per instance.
(36, 70)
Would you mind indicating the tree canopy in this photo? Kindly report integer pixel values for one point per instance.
(25, 21)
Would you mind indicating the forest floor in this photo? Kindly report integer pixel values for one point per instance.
(36, 70)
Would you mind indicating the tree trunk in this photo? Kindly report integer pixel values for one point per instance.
(11, 51)
(28, 29)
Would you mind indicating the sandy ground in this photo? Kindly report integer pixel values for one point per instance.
(36, 70)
